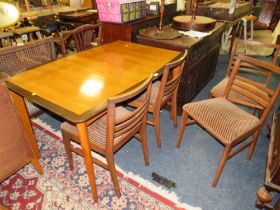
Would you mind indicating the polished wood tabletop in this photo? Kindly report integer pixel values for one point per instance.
(77, 86)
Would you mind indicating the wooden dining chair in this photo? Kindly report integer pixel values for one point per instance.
(164, 91)
(110, 132)
(226, 121)
(15, 59)
(247, 69)
(84, 37)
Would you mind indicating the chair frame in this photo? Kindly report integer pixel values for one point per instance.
(132, 124)
(247, 67)
(82, 36)
(167, 94)
(234, 84)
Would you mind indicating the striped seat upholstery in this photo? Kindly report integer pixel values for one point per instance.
(97, 130)
(221, 118)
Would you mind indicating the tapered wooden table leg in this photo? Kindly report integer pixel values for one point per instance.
(83, 134)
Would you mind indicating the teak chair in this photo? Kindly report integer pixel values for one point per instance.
(84, 36)
(247, 68)
(226, 121)
(164, 92)
(16, 59)
(110, 132)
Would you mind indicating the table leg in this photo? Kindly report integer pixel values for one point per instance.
(83, 134)
(24, 117)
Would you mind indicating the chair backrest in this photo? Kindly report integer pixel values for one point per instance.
(264, 94)
(14, 148)
(15, 59)
(248, 68)
(128, 124)
(170, 80)
(83, 37)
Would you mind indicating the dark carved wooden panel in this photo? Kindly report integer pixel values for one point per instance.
(200, 63)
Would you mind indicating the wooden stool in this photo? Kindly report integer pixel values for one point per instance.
(246, 19)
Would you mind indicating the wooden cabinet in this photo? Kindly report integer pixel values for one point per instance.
(200, 63)
(272, 173)
(128, 31)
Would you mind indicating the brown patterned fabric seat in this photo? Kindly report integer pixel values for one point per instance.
(97, 130)
(226, 121)
(113, 128)
(221, 118)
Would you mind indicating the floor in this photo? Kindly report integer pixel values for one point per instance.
(193, 165)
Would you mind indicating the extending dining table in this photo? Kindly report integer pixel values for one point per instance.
(77, 87)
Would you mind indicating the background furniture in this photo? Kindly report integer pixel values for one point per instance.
(83, 37)
(81, 16)
(272, 173)
(200, 63)
(229, 124)
(129, 31)
(15, 147)
(109, 133)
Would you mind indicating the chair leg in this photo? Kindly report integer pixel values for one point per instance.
(157, 127)
(221, 165)
(144, 144)
(112, 169)
(253, 144)
(67, 145)
(182, 128)
(173, 111)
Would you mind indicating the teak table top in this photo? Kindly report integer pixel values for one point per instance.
(77, 86)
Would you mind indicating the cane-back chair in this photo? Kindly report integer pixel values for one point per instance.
(15, 59)
(84, 37)
(164, 91)
(246, 68)
(226, 121)
(111, 131)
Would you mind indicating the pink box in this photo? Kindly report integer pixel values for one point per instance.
(121, 11)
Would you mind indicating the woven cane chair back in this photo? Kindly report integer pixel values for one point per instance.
(15, 59)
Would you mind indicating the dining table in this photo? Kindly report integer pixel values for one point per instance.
(76, 87)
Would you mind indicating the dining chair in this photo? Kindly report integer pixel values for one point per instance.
(15, 148)
(84, 37)
(248, 69)
(228, 122)
(15, 59)
(164, 91)
(112, 130)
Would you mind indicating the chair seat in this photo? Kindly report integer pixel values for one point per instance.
(221, 118)
(32, 108)
(97, 130)
(154, 93)
(218, 91)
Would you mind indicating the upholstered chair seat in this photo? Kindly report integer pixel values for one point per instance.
(221, 118)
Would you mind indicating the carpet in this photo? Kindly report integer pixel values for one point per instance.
(60, 188)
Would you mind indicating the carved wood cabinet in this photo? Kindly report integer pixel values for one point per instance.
(272, 173)
(200, 63)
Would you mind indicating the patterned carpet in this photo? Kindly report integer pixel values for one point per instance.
(60, 188)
